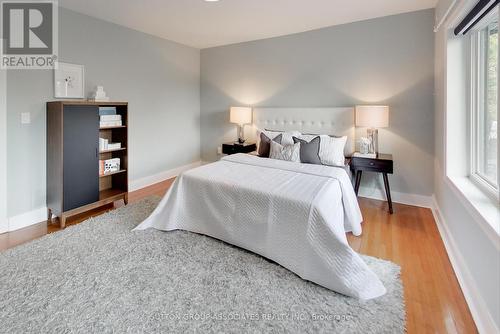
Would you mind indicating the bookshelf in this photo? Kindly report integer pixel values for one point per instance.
(74, 185)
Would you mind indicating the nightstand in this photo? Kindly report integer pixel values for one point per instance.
(383, 163)
(233, 148)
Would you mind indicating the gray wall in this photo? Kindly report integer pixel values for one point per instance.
(159, 78)
(388, 60)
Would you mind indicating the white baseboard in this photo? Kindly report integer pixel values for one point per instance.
(165, 175)
(4, 226)
(482, 317)
(27, 219)
(397, 197)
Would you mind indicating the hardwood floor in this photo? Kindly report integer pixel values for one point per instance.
(434, 300)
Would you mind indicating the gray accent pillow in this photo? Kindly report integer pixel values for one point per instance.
(309, 151)
(265, 144)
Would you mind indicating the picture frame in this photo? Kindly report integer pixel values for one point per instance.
(69, 81)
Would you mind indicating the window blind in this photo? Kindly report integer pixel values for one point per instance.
(479, 11)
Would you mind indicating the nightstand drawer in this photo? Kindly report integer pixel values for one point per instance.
(372, 165)
(232, 148)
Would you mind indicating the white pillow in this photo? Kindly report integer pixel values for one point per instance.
(331, 150)
(285, 152)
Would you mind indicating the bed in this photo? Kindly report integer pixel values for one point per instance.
(292, 213)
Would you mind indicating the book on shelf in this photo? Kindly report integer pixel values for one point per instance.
(109, 118)
(114, 146)
(109, 124)
(107, 111)
(101, 167)
(103, 144)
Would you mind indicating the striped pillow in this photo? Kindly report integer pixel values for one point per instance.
(331, 150)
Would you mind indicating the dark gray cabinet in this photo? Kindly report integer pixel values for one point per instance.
(80, 156)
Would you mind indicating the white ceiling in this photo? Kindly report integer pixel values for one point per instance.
(204, 24)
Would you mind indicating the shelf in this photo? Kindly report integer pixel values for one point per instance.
(109, 193)
(115, 150)
(114, 173)
(113, 127)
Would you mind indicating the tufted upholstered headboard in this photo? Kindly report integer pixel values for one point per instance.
(328, 121)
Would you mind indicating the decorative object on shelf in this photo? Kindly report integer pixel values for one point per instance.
(373, 118)
(69, 81)
(240, 116)
(364, 145)
(111, 165)
(99, 95)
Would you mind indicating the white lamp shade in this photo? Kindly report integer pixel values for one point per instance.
(372, 116)
(240, 115)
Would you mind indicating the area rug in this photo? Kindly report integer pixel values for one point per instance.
(100, 277)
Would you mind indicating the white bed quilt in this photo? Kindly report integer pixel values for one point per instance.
(294, 214)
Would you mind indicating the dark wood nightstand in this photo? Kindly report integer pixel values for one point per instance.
(381, 164)
(233, 148)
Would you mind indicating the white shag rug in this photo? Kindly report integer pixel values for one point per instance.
(99, 277)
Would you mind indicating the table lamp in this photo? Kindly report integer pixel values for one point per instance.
(373, 118)
(240, 116)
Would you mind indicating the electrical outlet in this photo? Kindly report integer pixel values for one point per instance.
(219, 150)
(25, 118)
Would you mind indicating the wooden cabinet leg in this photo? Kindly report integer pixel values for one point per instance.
(62, 221)
(49, 216)
(358, 181)
(388, 192)
(125, 199)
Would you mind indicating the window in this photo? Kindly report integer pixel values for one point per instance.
(484, 104)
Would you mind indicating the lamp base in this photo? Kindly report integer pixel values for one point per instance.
(241, 134)
(373, 136)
